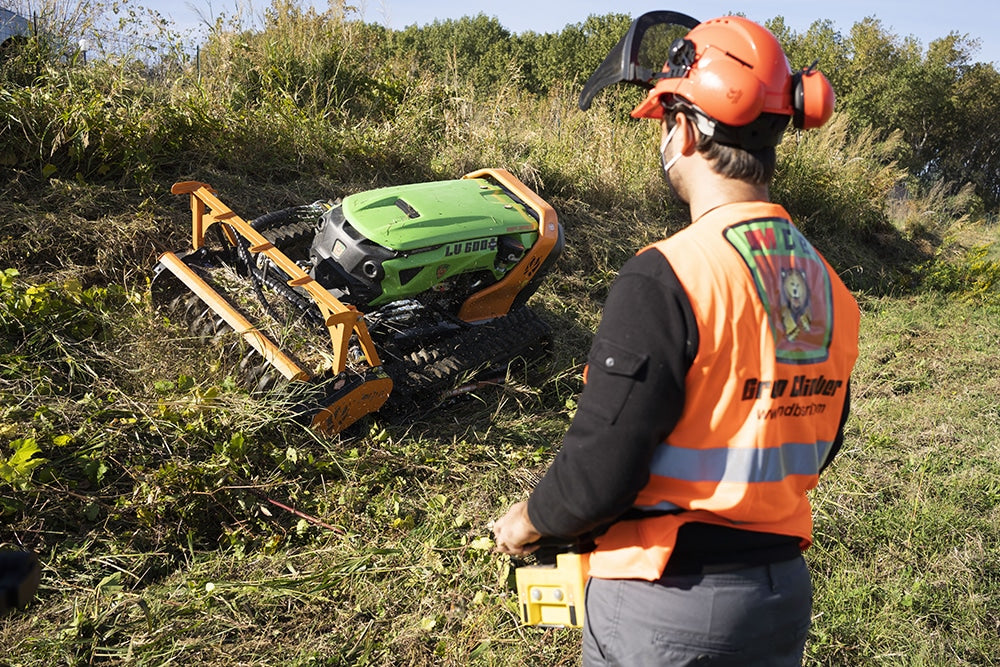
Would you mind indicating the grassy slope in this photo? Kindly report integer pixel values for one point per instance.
(905, 558)
(154, 512)
(160, 544)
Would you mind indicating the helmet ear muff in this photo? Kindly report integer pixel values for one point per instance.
(812, 98)
(726, 90)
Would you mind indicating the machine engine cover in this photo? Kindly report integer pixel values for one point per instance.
(388, 244)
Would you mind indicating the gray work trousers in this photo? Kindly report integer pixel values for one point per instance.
(758, 616)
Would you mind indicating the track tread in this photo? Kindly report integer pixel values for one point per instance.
(484, 349)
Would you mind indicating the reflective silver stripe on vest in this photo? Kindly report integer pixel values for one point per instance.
(662, 506)
(726, 464)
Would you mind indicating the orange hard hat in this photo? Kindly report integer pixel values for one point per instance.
(733, 70)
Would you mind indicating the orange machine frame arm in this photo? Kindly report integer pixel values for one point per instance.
(340, 319)
(496, 299)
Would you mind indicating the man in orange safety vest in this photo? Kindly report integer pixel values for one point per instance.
(717, 385)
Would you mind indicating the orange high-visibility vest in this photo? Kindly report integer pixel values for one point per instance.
(778, 338)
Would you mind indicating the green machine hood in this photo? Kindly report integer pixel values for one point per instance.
(410, 217)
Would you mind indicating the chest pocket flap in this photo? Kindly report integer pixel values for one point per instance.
(612, 371)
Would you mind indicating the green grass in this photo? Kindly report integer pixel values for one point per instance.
(181, 520)
(906, 543)
(154, 518)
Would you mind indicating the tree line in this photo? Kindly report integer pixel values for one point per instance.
(939, 98)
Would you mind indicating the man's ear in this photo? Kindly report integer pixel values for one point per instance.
(689, 134)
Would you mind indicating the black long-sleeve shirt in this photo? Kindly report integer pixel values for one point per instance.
(632, 399)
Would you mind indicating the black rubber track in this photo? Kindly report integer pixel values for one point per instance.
(479, 351)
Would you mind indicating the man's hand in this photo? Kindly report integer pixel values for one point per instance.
(514, 531)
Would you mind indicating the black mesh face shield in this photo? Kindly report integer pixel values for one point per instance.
(639, 56)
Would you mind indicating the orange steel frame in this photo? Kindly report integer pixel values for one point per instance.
(340, 319)
(496, 299)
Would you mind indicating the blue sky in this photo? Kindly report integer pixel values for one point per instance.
(980, 19)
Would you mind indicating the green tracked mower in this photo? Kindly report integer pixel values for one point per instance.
(405, 293)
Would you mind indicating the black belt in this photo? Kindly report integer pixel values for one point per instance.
(719, 564)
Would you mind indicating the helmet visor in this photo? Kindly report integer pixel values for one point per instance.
(639, 56)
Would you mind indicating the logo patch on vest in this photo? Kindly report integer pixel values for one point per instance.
(793, 286)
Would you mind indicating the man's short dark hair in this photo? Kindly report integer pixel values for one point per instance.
(753, 166)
